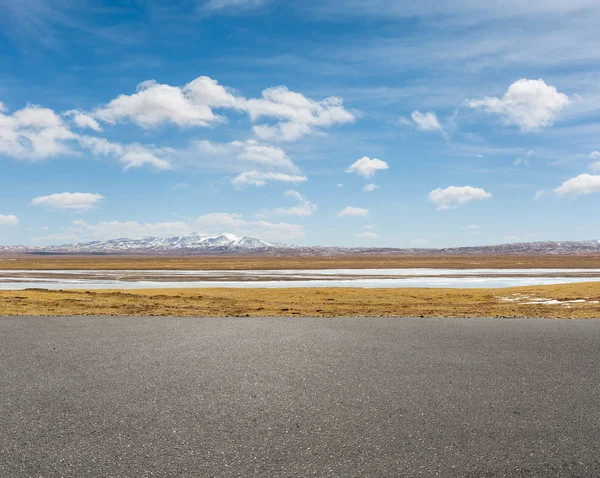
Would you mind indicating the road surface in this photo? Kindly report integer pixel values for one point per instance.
(279, 397)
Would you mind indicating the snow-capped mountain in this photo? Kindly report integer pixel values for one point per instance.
(193, 243)
(196, 244)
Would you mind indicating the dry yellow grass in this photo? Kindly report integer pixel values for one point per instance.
(262, 263)
(328, 302)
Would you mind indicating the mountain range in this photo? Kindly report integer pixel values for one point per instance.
(196, 244)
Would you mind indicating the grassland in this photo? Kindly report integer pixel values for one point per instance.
(305, 302)
(74, 262)
(328, 302)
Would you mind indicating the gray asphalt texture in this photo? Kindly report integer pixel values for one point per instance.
(279, 397)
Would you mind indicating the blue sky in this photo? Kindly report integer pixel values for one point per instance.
(337, 122)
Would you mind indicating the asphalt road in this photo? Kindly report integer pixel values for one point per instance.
(269, 397)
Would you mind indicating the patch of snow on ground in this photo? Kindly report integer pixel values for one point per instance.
(529, 300)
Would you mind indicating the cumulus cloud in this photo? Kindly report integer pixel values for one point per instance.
(39, 133)
(303, 208)
(426, 121)
(258, 178)
(367, 167)
(595, 155)
(154, 104)
(369, 188)
(243, 152)
(83, 120)
(595, 167)
(137, 156)
(33, 133)
(270, 163)
(218, 223)
(539, 194)
(353, 211)
(299, 116)
(453, 196)
(582, 184)
(295, 115)
(529, 104)
(74, 201)
(132, 155)
(8, 220)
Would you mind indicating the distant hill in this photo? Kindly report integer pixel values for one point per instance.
(196, 244)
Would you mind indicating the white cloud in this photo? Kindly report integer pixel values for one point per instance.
(453, 196)
(339, 185)
(303, 208)
(83, 120)
(595, 155)
(9, 220)
(426, 121)
(136, 156)
(132, 155)
(155, 104)
(299, 116)
(595, 167)
(33, 133)
(244, 152)
(271, 163)
(539, 194)
(258, 178)
(218, 223)
(74, 201)
(353, 211)
(38, 133)
(530, 104)
(367, 167)
(192, 105)
(370, 188)
(266, 155)
(473, 227)
(582, 184)
(366, 235)
(129, 229)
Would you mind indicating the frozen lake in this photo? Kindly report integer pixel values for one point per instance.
(367, 278)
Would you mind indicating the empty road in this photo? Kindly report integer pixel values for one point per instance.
(279, 397)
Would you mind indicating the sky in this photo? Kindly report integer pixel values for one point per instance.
(331, 122)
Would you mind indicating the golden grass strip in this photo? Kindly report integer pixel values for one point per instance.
(329, 302)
